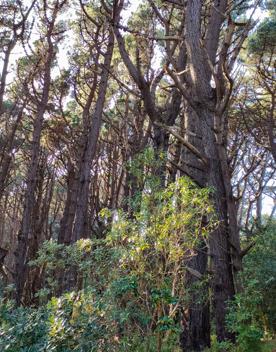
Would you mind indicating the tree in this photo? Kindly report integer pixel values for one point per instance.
(103, 112)
(44, 58)
(206, 57)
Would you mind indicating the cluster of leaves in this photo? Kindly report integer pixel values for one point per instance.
(128, 288)
(253, 314)
(58, 259)
(72, 322)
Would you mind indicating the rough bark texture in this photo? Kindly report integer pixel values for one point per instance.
(67, 221)
(200, 61)
(84, 172)
(221, 267)
(26, 234)
(195, 335)
(196, 331)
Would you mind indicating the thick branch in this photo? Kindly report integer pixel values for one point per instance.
(188, 145)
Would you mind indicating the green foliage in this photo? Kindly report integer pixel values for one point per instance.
(253, 314)
(153, 244)
(224, 346)
(264, 38)
(127, 289)
(72, 322)
(22, 329)
(55, 258)
(145, 170)
(144, 166)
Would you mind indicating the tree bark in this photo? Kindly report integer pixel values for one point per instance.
(221, 264)
(84, 171)
(26, 233)
(67, 221)
(196, 331)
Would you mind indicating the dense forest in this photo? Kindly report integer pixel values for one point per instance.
(137, 175)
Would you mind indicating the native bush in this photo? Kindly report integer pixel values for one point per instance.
(252, 315)
(128, 288)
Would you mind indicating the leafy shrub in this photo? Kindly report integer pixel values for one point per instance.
(22, 329)
(252, 316)
(127, 289)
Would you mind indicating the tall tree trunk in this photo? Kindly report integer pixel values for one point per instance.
(4, 72)
(6, 157)
(196, 331)
(201, 61)
(89, 151)
(26, 233)
(221, 264)
(67, 221)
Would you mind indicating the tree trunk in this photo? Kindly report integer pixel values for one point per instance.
(84, 173)
(26, 233)
(196, 331)
(67, 221)
(220, 251)
(6, 157)
(195, 335)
